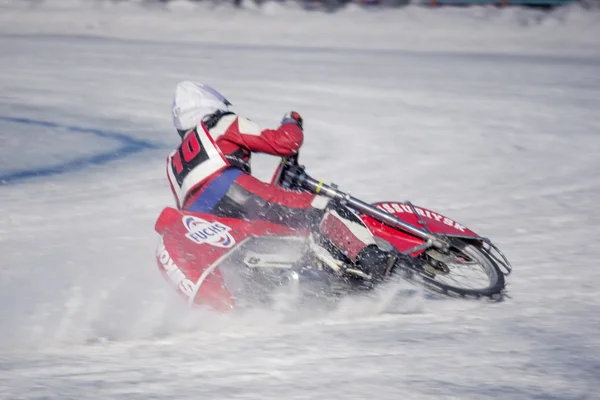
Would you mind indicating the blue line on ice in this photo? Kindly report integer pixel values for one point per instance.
(129, 147)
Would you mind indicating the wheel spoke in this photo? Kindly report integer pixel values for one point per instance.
(465, 273)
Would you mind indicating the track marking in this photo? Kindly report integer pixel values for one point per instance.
(130, 146)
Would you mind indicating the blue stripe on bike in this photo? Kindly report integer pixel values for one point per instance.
(129, 146)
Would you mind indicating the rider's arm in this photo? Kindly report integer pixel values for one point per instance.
(283, 141)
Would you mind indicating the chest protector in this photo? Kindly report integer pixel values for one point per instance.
(193, 162)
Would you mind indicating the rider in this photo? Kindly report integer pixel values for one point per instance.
(210, 172)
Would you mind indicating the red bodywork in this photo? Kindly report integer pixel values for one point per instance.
(194, 244)
(191, 265)
(436, 223)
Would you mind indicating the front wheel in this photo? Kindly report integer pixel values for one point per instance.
(463, 271)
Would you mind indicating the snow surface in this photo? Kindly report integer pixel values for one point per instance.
(494, 123)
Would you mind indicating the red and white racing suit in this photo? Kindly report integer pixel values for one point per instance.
(210, 172)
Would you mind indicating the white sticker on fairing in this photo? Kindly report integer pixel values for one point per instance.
(204, 232)
(398, 208)
(176, 276)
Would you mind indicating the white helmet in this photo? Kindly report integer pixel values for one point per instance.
(194, 101)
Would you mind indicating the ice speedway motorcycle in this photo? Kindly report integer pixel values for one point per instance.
(227, 263)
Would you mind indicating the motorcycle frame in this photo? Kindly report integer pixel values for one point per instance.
(296, 174)
(345, 198)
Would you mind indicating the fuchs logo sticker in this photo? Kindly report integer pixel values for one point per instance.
(204, 232)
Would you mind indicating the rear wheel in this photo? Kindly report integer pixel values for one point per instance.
(463, 271)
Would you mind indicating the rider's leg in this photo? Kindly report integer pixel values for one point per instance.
(253, 199)
(347, 232)
(236, 194)
(250, 198)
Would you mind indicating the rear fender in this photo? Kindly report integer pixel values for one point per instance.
(167, 217)
(191, 277)
(192, 246)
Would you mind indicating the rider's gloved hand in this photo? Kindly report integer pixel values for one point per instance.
(292, 117)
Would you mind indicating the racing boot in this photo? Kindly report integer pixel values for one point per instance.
(323, 252)
(351, 239)
(376, 263)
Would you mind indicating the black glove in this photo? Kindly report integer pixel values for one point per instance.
(292, 117)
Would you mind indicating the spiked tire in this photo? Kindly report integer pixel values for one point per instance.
(465, 271)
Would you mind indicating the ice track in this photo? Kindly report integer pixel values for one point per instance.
(509, 145)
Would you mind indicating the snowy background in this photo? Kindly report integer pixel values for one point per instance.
(487, 115)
